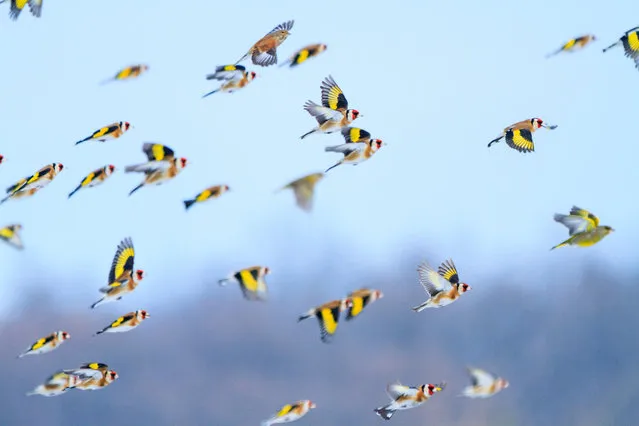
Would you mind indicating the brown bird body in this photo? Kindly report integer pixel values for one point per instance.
(328, 317)
(264, 51)
(519, 135)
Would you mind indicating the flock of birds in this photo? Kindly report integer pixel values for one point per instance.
(442, 285)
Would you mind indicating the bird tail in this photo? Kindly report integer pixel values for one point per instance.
(136, 188)
(556, 52)
(308, 133)
(223, 281)
(242, 58)
(304, 316)
(210, 93)
(333, 166)
(108, 80)
(74, 191)
(495, 140)
(384, 412)
(285, 63)
(33, 392)
(565, 243)
(98, 303)
(611, 46)
(420, 307)
(188, 203)
(83, 140)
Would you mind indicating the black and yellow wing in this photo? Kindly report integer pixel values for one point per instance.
(332, 95)
(520, 139)
(132, 71)
(448, 271)
(105, 131)
(158, 152)
(33, 181)
(36, 7)
(328, 319)
(16, 186)
(122, 320)
(361, 299)
(304, 188)
(355, 134)
(16, 8)
(122, 265)
(10, 235)
(592, 220)
(631, 46)
(252, 283)
(227, 73)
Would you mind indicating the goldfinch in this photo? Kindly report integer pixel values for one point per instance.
(57, 384)
(304, 54)
(122, 278)
(333, 114)
(406, 397)
(107, 133)
(574, 44)
(360, 299)
(519, 135)
(264, 51)
(355, 152)
(235, 77)
(94, 376)
(304, 188)
(443, 287)
(11, 234)
(94, 178)
(28, 186)
(46, 344)
(483, 384)
(207, 194)
(630, 42)
(583, 228)
(35, 6)
(251, 281)
(161, 167)
(328, 317)
(127, 73)
(290, 413)
(126, 322)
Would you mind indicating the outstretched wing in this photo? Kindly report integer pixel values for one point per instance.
(304, 189)
(332, 95)
(157, 152)
(346, 148)
(321, 113)
(579, 220)
(328, 319)
(150, 167)
(284, 26)
(252, 283)
(631, 46)
(355, 134)
(520, 139)
(430, 279)
(448, 271)
(479, 377)
(228, 73)
(122, 265)
(397, 390)
(36, 7)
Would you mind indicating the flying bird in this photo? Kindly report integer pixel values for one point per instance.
(28, 186)
(251, 281)
(94, 178)
(127, 73)
(443, 286)
(161, 167)
(290, 413)
(574, 44)
(304, 54)
(519, 135)
(126, 322)
(583, 228)
(11, 235)
(406, 397)
(235, 77)
(328, 317)
(46, 344)
(630, 42)
(35, 6)
(264, 51)
(360, 299)
(208, 194)
(483, 384)
(107, 133)
(95, 375)
(333, 114)
(355, 152)
(1, 158)
(57, 384)
(304, 189)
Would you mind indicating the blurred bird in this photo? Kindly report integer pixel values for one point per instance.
(630, 42)
(406, 397)
(484, 385)
(28, 186)
(94, 178)
(251, 281)
(1, 158)
(304, 188)
(122, 279)
(127, 73)
(264, 51)
(574, 44)
(35, 6)
(360, 299)
(95, 375)
(46, 344)
(355, 152)
(333, 114)
(126, 322)
(443, 287)
(161, 167)
(57, 384)
(110, 132)
(290, 413)
(519, 135)
(583, 228)
(235, 76)
(207, 194)
(11, 234)
(328, 317)
(304, 54)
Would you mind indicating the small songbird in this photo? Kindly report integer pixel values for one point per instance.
(122, 278)
(35, 6)
(574, 44)
(95, 375)
(28, 186)
(251, 281)
(406, 397)
(94, 178)
(235, 77)
(11, 234)
(127, 73)
(161, 167)
(443, 287)
(355, 152)
(110, 132)
(360, 299)
(304, 188)
(46, 344)
(209, 193)
(583, 228)
(519, 135)
(630, 42)
(304, 54)
(264, 52)
(57, 384)
(483, 384)
(290, 413)
(333, 114)
(328, 317)
(126, 322)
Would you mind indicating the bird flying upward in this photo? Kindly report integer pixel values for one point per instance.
(583, 228)
(264, 51)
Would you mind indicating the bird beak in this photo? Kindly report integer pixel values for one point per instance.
(360, 115)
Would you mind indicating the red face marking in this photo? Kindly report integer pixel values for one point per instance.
(60, 167)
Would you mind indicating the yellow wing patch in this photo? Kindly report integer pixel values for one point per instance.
(591, 218)
(20, 4)
(520, 139)
(103, 131)
(40, 343)
(302, 56)
(117, 323)
(570, 44)
(6, 233)
(87, 180)
(202, 196)
(633, 41)
(285, 410)
(333, 97)
(248, 281)
(158, 152)
(94, 366)
(126, 254)
(124, 73)
(328, 320)
(230, 68)
(358, 306)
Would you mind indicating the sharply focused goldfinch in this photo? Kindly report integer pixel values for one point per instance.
(333, 114)
(161, 167)
(57, 384)
(483, 384)
(46, 344)
(355, 152)
(129, 72)
(304, 54)
(304, 188)
(251, 281)
(28, 186)
(107, 133)
(360, 299)
(328, 317)
(583, 228)
(95, 375)
(406, 397)
(290, 413)
(264, 51)
(519, 135)
(443, 286)
(207, 194)
(94, 178)
(122, 278)
(630, 42)
(126, 322)
(574, 44)
(11, 234)
(235, 77)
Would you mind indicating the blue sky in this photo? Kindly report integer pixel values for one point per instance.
(436, 81)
